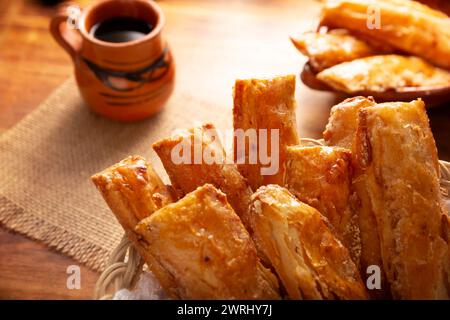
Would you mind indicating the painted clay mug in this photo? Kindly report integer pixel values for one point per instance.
(125, 81)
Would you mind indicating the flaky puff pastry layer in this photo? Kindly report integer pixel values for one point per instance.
(325, 50)
(265, 104)
(298, 243)
(200, 250)
(343, 122)
(133, 191)
(341, 131)
(321, 177)
(186, 177)
(398, 178)
(406, 25)
(384, 72)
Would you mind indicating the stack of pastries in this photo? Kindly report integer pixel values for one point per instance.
(368, 199)
(378, 46)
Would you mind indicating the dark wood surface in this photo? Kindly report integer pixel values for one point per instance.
(221, 37)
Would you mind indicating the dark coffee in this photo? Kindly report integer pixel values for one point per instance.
(121, 29)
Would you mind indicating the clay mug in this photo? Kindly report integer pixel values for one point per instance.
(119, 80)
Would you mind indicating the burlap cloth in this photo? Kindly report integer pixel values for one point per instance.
(46, 161)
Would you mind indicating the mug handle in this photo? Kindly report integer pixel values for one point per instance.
(69, 39)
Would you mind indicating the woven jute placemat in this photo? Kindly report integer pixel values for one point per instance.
(46, 161)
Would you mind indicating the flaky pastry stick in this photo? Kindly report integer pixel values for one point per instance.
(398, 180)
(321, 177)
(133, 191)
(406, 25)
(341, 131)
(264, 104)
(201, 250)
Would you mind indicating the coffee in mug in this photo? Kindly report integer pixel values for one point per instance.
(123, 65)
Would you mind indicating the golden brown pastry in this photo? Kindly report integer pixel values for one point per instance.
(370, 238)
(341, 131)
(264, 104)
(341, 128)
(321, 177)
(325, 50)
(299, 245)
(187, 176)
(133, 191)
(199, 249)
(398, 179)
(441, 5)
(406, 25)
(384, 72)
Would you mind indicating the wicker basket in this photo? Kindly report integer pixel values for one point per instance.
(125, 265)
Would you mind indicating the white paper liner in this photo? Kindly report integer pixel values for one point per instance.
(147, 288)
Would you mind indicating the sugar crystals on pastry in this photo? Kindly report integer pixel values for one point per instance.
(325, 50)
(406, 25)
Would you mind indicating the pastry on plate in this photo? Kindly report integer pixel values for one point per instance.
(325, 50)
(341, 131)
(384, 73)
(441, 5)
(267, 105)
(198, 249)
(405, 25)
(299, 244)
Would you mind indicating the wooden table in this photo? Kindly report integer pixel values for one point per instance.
(214, 42)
